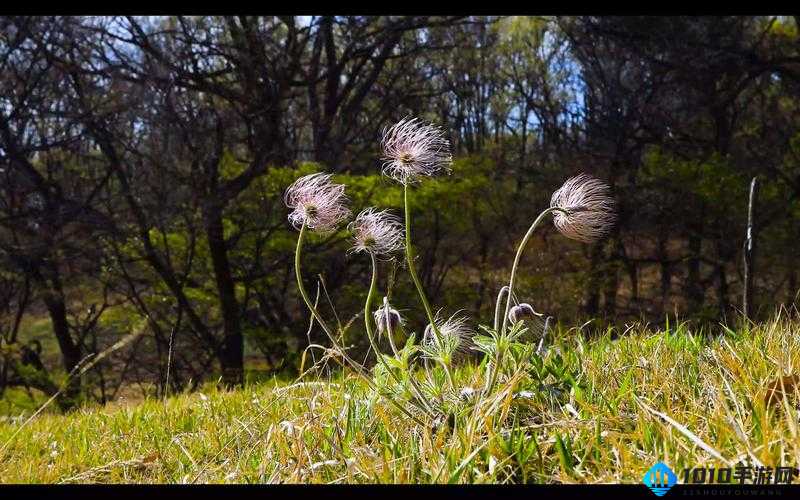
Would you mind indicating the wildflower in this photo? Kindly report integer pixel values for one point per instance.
(387, 319)
(377, 232)
(589, 206)
(523, 395)
(289, 428)
(467, 393)
(412, 148)
(453, 337)
(522, 312)
(316, 202)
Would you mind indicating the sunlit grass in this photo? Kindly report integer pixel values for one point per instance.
(591, 412)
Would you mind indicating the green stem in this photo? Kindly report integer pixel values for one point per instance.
(447, 374)
(389, 328)
(495, 367)
(418, 392)
(409, 372)
(518, 257)
(370, 333)
(411, 269)
(318, 317)
(497, 307)
(367, 323)
(297, 259)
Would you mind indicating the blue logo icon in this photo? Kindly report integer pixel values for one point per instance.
(660, 479)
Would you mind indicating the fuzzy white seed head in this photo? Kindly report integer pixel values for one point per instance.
(378, 232)
(454, 336)
(467, 393)
(316, 202)
(590, 209)
(412, 149)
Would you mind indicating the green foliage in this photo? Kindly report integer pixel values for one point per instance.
(715, 183)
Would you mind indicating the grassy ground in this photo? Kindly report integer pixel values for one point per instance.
(597, 410)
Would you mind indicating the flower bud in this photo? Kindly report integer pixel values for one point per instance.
(522, 312)
(387, 316)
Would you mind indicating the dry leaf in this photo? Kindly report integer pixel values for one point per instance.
(780, 387)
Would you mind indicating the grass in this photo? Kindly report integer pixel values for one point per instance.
(591, 411)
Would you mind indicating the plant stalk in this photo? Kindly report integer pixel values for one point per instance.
(389, 328)
(411, 269)
(371, 337)
(496, 366)
(318, 316)
(297, 259)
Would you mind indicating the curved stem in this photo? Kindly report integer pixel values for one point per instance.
(316, 314)
(297, 259)
(371, 337)
(519, 256)
(411, 269)
(500, 294)
(447, 374)
(367, 307)
(410, 373)
(495, 368)
(389, 327)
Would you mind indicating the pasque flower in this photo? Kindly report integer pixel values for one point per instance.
(388, 319)
(522, 312)
(454, 335)
(589, 209)
(412, 149)
(378, 232)
(316, 202)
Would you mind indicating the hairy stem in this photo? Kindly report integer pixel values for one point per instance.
(389, 327)
(411, 269)
(498, 359)
(500, 294)
(410, 373)
(318, 316)
(297, 259)
(447, 374)
(371, 336)
(368, 324)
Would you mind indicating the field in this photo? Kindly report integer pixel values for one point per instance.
(597, 410)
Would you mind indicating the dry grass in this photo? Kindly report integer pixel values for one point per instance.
(598, 411)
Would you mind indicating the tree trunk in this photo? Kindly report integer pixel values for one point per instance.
(70, 351)
(750, 252)
(231, 355)
(694, 289)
